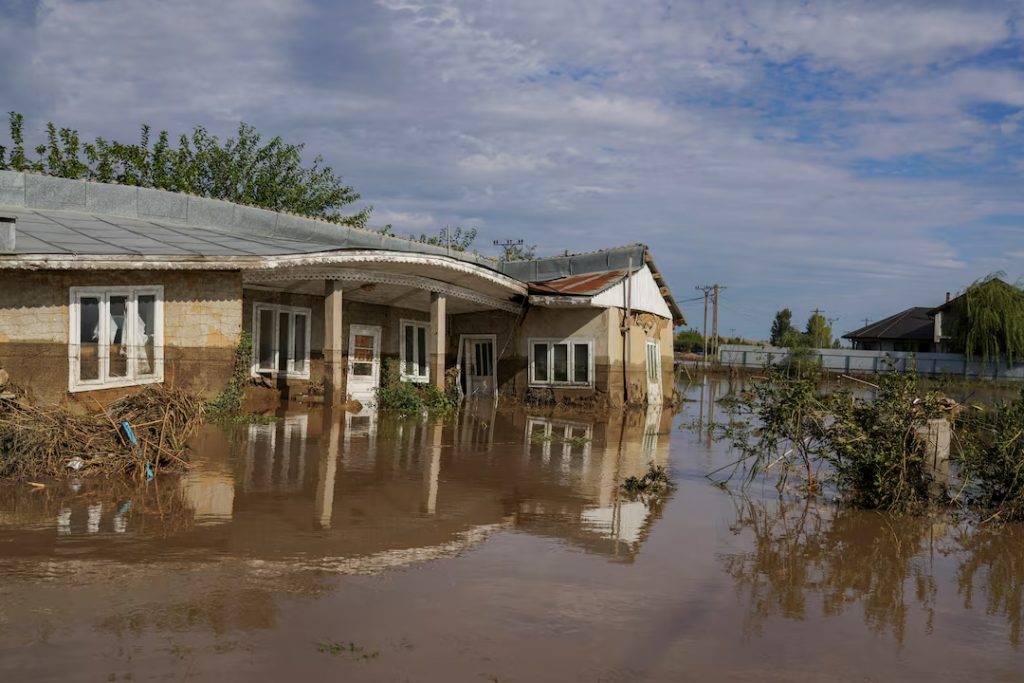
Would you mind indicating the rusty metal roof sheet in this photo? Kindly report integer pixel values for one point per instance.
(579, 285)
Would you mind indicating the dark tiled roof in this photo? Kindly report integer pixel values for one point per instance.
(911, 324)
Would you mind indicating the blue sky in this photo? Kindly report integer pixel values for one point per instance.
(855, 157)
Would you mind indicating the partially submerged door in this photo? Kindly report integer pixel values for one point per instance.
(364, 363)
(478, 366)
(654, 372)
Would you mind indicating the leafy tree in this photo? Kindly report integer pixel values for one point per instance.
(988, 320)
(458, 239)
(688, 341)
(818, 332)
(242, 169)
(782, 325)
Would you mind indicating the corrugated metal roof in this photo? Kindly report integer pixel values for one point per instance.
(913, 324)
(579, 285)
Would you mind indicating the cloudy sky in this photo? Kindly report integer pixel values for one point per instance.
(856, 157)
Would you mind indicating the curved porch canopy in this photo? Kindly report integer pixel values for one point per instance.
(391, 278)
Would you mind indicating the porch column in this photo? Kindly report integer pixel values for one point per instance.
(438, 334)
(333, 358)
(323, 505)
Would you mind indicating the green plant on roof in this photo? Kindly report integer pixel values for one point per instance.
(242, 169)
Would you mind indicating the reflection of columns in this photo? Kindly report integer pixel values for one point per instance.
(333, 358)
(432, 470)
(328, 468)
(438, 335)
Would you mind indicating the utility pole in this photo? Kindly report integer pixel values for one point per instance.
(714, 324)
(707, 289)
(506, 246)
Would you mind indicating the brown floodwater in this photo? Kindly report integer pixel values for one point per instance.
(496, 547)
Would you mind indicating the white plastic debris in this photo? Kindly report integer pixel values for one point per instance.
(75, 463)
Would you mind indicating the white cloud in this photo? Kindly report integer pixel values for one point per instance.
(592, 124)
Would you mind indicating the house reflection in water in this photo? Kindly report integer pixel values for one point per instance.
(323, 485)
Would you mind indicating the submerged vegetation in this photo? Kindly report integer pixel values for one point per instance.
(412, 397)
(654, 482)
(229, 401)
(875, 453)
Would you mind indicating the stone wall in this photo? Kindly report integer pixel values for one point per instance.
(202, 323)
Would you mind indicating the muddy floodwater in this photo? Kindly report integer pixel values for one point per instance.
(339, 547)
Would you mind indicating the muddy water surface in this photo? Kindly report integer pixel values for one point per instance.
(494, 548)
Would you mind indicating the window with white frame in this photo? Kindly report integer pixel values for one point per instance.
(414, 351)
(116, 337)
(562, 362)
(280, 340)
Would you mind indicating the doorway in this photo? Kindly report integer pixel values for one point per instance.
(654, 373)
(479, 365)
(364, 363)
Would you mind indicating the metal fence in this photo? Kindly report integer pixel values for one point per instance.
(870, 362)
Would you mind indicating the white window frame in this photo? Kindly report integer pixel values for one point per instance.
(571, 342)
(277, 310)
(131, 378)
(416, 325)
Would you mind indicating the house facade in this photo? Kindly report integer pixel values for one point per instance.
(104, 288)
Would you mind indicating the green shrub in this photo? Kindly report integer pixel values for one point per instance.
(990, 454)
(410, 397)
(869, 450)
(229, 401)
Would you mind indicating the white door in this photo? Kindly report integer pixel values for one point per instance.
(478, 366)
(653, 372)
(364, 363)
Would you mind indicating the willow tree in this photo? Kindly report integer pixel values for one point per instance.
(987, 320)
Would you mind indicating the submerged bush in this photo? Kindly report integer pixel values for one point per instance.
(869, 451)
(990, 454)
(229, 401)
(410, 397)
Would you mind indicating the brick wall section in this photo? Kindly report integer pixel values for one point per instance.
(202, 324)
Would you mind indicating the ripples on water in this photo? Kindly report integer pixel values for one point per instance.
(494, 547)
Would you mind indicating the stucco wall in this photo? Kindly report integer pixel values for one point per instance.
(202, 322)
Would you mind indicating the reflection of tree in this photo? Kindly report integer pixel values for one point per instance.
(840, 557)
(996, 553)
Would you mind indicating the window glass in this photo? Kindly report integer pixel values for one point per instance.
(117, 336)
(410, 350)
(540, 362)
(89, 336)
(265, 352)
(144, 344)
(283, 330)
(581, 363)
(560, 362)
(301, 352)
(421, 351)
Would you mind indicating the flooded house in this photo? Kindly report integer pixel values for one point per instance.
(105, 287)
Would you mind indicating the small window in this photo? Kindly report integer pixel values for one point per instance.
(414, 351)
(561, 362)
(281, 340)
(116, 337)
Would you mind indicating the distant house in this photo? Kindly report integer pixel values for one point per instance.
(909, 330)
(944, 316)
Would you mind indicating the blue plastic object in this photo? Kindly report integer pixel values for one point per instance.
(135, 442)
